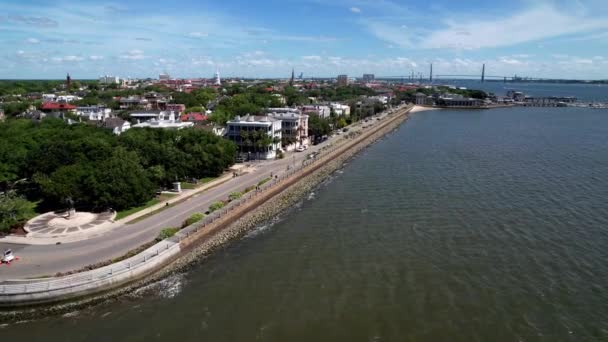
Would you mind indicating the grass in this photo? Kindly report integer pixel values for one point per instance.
(201, 182)
(188, 186)
(206, 180)
(124, 213)
(264, 181)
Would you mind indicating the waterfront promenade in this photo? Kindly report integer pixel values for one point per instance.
(47, 260)
(41, 290)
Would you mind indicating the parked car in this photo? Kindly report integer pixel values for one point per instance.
(8, 256)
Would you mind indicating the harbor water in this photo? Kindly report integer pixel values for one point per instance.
(488, 225)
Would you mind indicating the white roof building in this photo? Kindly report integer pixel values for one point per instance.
(246, 131)
(161, 121)
(94, 113)
(340, 109)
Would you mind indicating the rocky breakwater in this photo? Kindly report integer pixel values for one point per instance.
(284, 195)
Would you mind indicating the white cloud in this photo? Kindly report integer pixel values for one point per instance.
(70, 58)
(537, 23)
(533, 24)
(95, 58)
(389, 33)
(198, 34)
(511, 61)
(311, 58)
(355, 9)
(32, 41)
(133, 55)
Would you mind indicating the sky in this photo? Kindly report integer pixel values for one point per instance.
(320, 38)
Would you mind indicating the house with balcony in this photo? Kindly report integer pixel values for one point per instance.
(294, 129)
(94, 113)
(257, 137)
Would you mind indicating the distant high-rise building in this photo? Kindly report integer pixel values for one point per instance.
(368, 78)
(164, 77)
(68, 82)
(218, 81)
(292, 77)
(431, 74)
(342, 80)
(109, 79)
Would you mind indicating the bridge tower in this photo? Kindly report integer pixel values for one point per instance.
(483, 73)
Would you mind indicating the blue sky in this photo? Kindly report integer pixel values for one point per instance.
(538, 38)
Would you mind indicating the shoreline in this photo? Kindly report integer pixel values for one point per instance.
(418, 108)
(196, 248)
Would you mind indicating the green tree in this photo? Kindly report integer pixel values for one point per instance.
(66, 185)
(120, 182)
(318, 126)
(14, 210)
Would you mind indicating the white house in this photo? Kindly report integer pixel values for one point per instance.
(149, 115)
(94, 113)
(294, 129)
(163, 121)
(49, 97)
(245, 131)
(322, 111)
(340, 109)
(68, 98)
(117, 125)
(380, 98)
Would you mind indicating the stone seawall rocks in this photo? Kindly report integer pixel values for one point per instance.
(196, 250)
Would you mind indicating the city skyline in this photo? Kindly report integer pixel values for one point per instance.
(549, 39)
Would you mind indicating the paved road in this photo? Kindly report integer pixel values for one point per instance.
(45, 260)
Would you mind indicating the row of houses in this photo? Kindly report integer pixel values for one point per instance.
(257, 136)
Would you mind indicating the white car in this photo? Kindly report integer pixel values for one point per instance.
(8, 256)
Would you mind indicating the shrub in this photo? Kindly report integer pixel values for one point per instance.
(193, 219)
(249, 188)
(235, 196)
(216, 206)
(167, 233)
(280, 154)
(264, 181)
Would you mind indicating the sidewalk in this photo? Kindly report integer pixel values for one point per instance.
(38, 239)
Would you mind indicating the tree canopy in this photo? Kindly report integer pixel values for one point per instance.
(93, 168)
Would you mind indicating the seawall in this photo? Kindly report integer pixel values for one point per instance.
(190, 244)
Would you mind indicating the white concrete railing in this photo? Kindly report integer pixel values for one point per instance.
(26, 291)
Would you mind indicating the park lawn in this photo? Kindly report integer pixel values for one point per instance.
(188, 186)
(158, 199)
(201, 182)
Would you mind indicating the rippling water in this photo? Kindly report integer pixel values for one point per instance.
(459, 226)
